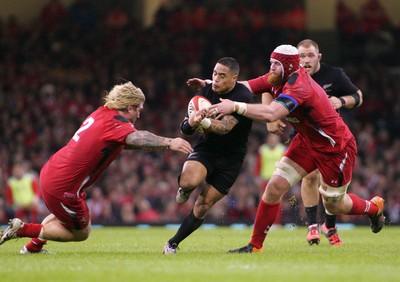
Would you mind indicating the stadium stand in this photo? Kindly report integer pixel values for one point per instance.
(55, 71)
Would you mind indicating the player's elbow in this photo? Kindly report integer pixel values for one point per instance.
(223, 131)
(274, 112)
(361, 98)
(224, 126)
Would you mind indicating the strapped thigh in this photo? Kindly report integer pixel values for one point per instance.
(286, 171)
(333, 195)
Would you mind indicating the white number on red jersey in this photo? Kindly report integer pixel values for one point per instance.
(86, 124)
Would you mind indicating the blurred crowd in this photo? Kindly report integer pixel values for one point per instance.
(56, 70)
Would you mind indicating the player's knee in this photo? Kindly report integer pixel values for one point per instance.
(274, 192)
(314, 174)
(82, 235)
(188, 182)
(311, 179)
(332, 197)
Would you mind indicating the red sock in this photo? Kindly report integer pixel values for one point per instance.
(361, 206)
(265, 217)
(35, 245)
(31, 230)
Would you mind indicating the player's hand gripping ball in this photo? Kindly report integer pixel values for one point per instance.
(198, 103)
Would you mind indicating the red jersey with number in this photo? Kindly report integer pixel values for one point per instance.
(310, 111)
(90, 151)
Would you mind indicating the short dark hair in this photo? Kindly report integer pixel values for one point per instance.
(307, 43)
(230, 63)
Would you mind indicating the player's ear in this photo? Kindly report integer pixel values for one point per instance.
(132, 107)
(319, 56)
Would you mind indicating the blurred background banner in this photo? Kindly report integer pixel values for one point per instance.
(57, 59)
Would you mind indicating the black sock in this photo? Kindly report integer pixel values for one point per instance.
(311, 215)
(189, 224)
(330, 220)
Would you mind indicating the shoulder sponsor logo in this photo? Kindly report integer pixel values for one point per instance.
(292, 119)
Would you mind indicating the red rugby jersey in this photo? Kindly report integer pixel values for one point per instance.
(313, 115)
(93, 147)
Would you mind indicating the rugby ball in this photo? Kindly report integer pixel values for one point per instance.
(198, 103)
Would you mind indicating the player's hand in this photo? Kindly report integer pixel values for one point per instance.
(196, 83)
(276, 127)
(198, 116)
(180, 145)
(225, 107)
(211, 114)
(336, 103)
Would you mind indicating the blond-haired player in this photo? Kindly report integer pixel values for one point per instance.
(75, 167)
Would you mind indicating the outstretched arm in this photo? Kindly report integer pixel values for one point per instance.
(147, 141)
(198, 83)
(258, 112)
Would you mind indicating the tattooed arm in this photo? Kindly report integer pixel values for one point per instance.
(223, 126)
(147, 141)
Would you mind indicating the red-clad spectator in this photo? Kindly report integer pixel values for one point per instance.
(98, 206)
(257, 19)
(346, 20)
(146, 213)
(373, 17)
(295, 18)
(234, 18)
(179, 20)
(199, 18)
(12, 28)
(117, 17)
(52, 14)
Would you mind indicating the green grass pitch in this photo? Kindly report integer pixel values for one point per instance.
(135, 254)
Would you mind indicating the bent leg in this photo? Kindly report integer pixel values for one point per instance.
(207, 198)
(193, 173)
(54, 230)
(337, 201)
(69, 221)
(287, 174)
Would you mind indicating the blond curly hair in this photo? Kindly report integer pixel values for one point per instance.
(123, 95)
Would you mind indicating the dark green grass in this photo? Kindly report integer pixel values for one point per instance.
(134, 254)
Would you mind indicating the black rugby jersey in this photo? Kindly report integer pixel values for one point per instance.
(334, 81)
(234, 141)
